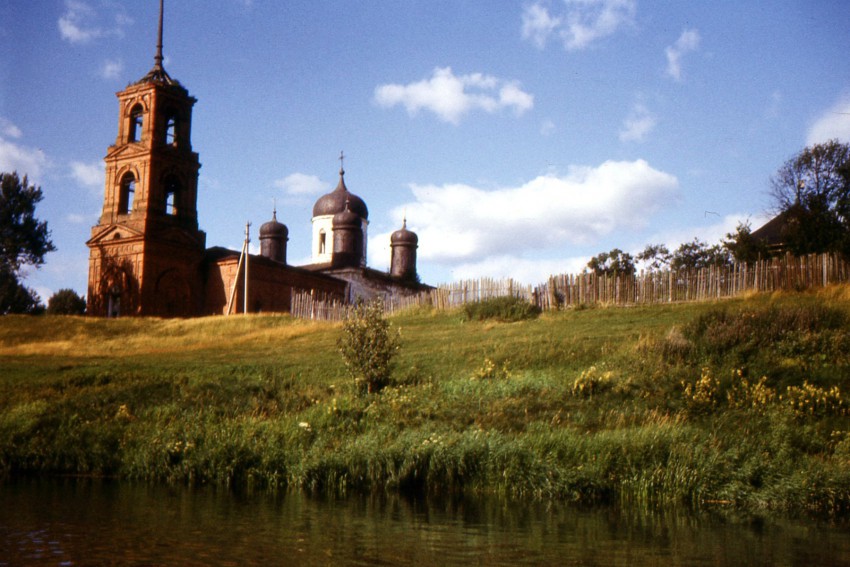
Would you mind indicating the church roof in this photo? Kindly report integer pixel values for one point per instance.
(335, 201)
(273, 227)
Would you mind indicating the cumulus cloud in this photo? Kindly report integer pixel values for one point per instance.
(538, 25)
(451, 97)
(834, 123)
(302, 184)
(80, 23)
(583, 22)
(463, 225)
(17, 157)
(89, 175)
(638, 124)
(687, 42)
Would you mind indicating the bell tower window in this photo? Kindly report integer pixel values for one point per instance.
(126, 194)
(136, 122)
(171, 128)
(322, 242)
(172, 195)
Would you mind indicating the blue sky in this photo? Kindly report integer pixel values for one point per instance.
(519, 138)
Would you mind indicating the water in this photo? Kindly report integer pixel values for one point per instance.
(108, 523)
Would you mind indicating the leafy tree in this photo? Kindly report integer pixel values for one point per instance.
(697, 254)
(367, 346)
(613, 263)
(24, 240)
(743, 246)
(66, 302)
(812, 190)
(655, 257)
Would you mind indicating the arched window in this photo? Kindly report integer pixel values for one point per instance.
(136, 122)
(322, 241)
(171, 127)
(126, 194)
(172, 195)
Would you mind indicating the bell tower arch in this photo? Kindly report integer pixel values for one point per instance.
(148, 229)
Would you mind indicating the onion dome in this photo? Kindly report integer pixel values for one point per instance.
(273, 228)
(335, 201)
(404, 236)
(346, 217)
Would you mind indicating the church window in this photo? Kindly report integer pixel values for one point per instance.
(126, 194)
(171, 128)
(172, 195)
(136, 121)
(322, 241)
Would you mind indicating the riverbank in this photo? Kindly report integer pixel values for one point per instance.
(741, 403)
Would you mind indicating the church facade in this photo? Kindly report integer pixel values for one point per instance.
(148, 256)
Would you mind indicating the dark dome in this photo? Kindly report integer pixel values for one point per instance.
(346, 217)
(273, 228)
(334, 202)
(404, 236)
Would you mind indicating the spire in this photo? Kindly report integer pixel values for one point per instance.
(158, 57)
(341, 185)
(158, 73)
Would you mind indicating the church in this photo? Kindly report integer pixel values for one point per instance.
(149, 257)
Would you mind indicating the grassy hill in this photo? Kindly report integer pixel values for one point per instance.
(738, 403)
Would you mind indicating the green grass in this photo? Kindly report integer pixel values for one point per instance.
(741, 403)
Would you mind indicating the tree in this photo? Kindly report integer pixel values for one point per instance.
(743, 246)
(24, 240)
(812, 190)
(367, 346)
(66, 302)
(697, 254)
(613, 263)
(655, 257)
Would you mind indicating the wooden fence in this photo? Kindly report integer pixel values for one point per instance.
(644, 288)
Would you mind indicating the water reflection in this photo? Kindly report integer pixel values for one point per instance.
(106, 523)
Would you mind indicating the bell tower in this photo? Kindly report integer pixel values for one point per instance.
(146, 252)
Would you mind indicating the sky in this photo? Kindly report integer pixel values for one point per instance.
(518, 139)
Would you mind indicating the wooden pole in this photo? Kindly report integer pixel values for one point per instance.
(247, 254)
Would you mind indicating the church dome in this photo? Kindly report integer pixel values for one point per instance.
(335, 201)
(346, 217)
(273, 228)
(404, 236)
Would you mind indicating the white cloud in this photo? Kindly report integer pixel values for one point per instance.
(111, 69)
(583, 23)
(538, 25)
(451, 97)
(638, 124)
(302, 184)
(16, 157)
(89, 175)
(80, 23)
(687, 42)
(464, 225)
(9, 130)
(834, 123)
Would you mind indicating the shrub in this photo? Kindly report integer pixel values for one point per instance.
(66, 302)
(368, 346)
(506, 309)
(590, 382)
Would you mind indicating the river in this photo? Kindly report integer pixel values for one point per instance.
(85, 522)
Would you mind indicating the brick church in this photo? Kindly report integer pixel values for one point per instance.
(148, 255)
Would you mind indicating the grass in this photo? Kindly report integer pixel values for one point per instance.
(741, 403)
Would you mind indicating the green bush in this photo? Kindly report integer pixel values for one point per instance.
(368, 346)
(66, 302)
(506, 309)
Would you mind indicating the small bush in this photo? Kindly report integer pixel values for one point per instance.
(368, 346)
(66, 302)
(506, 309)
(809, 400)
(590, 382)
(491, 371)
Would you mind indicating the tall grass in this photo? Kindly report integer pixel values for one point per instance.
(741, 403)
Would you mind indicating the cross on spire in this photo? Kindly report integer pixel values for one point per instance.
(341, 159)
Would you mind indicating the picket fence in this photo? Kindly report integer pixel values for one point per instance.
(586, 289)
